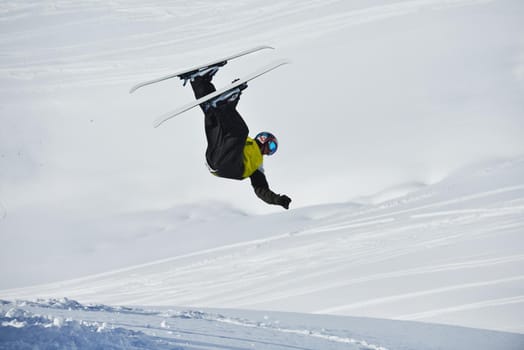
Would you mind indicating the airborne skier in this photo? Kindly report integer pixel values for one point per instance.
(231, 153)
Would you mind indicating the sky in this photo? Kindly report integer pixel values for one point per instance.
(379, 94)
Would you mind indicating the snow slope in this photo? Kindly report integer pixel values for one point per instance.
(384, 101)
(64, 323)
(418, 89)
(449, 253)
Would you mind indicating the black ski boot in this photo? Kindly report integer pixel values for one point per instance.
(205, 73)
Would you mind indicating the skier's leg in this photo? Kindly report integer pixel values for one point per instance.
(226, 141)
(232, 121)
(226, 133)
(215, 135)
(202, 87)
(225, 115)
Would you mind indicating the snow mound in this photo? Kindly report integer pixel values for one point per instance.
(67, 324)
(24, 329)
(37, 332)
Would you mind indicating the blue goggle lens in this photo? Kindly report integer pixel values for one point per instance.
(272, 147)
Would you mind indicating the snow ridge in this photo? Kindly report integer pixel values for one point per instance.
(65, 323)
(22, 327)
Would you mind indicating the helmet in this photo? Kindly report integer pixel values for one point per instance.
(268, 142)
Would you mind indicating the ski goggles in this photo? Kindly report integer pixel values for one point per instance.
(271, 147)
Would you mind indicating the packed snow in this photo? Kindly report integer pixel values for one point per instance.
(400, 127)
(449, 253)
(65, 323)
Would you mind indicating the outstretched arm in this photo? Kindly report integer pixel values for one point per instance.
(261, 187)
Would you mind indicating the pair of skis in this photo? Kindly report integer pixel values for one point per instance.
(186, 73)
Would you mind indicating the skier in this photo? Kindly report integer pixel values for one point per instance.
(231, 153)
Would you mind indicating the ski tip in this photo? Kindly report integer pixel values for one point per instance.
(281, 62)
(161, 120)
(157, 123)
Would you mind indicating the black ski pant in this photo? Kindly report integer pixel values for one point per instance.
(226, 133)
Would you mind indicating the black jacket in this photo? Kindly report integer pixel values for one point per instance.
(261, 187)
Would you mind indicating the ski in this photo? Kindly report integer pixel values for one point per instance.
(219, 92)
(220, 62)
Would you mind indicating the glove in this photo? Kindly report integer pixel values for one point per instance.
(284, 201)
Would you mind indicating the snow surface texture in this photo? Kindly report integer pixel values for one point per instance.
(45, 324)
(383, 98)
(449, 253)
(398, 92)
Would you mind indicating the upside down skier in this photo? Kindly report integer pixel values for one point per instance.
(231, 153)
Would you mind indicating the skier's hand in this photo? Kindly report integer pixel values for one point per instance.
(284, 201)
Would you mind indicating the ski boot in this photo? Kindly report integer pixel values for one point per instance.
(206, 73)
(228, 97)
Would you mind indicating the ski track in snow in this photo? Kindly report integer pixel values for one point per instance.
(355, 262)
(43, 324)
(50, 58)
(70, 322)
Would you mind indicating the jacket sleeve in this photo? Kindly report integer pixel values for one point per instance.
(261, 187)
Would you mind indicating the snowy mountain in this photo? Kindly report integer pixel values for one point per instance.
(400, 127)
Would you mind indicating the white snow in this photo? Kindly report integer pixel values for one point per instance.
(96, 326)
(450, 253)
(401, 128)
